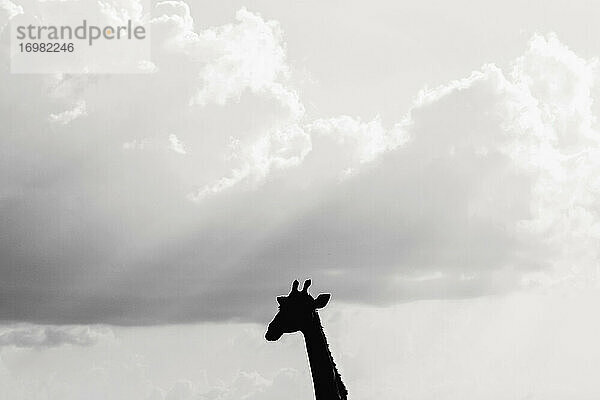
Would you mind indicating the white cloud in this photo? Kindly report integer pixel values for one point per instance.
(248, 55)
(282, 149)
(9, 11)
(362, 141)
(176, 145)
(68, 116)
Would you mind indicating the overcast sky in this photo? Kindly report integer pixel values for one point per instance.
(434, 166)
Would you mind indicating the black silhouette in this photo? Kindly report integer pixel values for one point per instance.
(298, 313)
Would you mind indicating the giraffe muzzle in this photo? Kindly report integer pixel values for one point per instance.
(272, 335)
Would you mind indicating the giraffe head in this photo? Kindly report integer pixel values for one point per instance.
(296, 311)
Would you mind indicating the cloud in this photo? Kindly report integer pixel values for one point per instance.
(470, 192)
(69, 115)
(176, 145)
(50, 336)
(194, 361)
(281, 149)
(246, 385)
(9, 10)
(247, 55)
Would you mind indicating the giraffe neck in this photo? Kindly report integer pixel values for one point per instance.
(327, 382)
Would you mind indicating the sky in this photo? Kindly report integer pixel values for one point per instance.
(435, 167)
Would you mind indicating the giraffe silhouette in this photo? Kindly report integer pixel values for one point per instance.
(298, 313)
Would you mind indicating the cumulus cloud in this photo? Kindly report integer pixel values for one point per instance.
(467, 193)
(279, 150)
(247, 55)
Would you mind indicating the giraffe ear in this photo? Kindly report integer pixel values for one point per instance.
(322, 300)
(281, 300)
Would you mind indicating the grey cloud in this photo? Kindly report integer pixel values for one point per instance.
(459, 198)
(50, 336)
